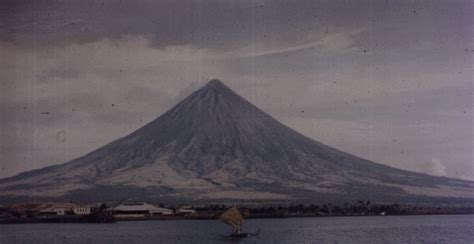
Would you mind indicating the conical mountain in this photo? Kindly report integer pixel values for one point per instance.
(215, 146)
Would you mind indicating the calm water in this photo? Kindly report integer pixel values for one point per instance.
(389, 229)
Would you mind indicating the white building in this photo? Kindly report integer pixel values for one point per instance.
(139, 210)
(81, 211)
(53, 211)
(62, 209)
(185, 211)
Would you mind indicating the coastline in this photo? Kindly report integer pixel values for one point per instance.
(111, 219)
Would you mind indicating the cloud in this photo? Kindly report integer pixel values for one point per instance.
(334, 42)
(437, 167)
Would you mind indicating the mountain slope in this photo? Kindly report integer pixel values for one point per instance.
(215, 146)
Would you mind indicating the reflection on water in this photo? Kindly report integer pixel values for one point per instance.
(388, 229)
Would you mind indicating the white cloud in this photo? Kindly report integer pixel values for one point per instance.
(338, 42)
(438, 168)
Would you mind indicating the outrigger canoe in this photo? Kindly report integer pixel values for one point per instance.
(233, 218)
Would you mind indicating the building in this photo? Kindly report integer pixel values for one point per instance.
(63, 209)
(185, 212)
(139, 210)
(53, 211)
(81, 211)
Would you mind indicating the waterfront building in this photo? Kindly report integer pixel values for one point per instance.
(139, 210)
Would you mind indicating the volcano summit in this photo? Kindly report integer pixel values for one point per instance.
(216, 147)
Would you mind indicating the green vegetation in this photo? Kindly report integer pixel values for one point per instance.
(357, 208)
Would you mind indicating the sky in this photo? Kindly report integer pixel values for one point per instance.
(389, 81)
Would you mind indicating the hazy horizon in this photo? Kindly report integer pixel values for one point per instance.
(387, 81)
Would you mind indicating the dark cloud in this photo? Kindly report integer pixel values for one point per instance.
(213, 24)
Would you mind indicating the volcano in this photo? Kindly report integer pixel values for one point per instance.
(216, 147)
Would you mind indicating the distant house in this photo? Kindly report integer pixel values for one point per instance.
(53, 211)
(47, 209)
(81, 211)
(139, 210)
(62, 209)
(185, 212)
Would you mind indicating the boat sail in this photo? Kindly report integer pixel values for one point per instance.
(233, 218)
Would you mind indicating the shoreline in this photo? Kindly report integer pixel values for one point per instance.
(139, 211)
(69, 220)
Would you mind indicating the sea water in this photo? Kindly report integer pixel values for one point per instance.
(375, 229)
